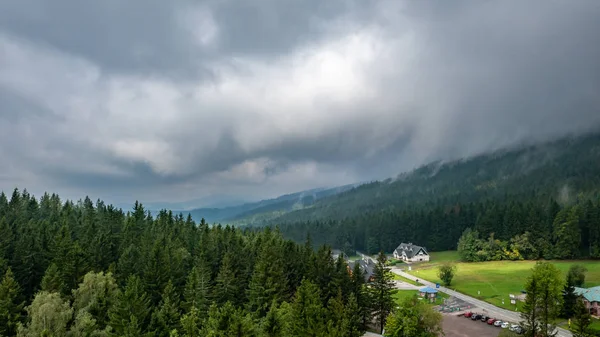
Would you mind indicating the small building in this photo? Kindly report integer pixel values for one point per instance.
(591, 299)
(367, 267)
(428, 293)
(411, 253)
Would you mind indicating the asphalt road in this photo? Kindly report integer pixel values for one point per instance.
(489, 309)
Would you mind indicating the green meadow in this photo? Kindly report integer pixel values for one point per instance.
(494, 281)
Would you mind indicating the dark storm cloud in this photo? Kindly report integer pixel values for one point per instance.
(111, 98)
(155, 36)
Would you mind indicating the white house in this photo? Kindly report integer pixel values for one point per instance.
(411, 253)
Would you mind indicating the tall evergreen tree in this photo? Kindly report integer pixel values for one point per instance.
(198, 291)
(167, 315)
(544, 300)
(307, 315)
(268, 283)
(52, 280)
(11, 305)
(382, 291)
(131, 308)
(227, 288)
(582, 320)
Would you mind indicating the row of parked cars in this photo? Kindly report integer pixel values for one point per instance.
(495, 322)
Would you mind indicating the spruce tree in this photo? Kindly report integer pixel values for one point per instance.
(198, 290)
(581, 319)
(227, 289)
(569, 297)
(11, 305)
(268, 282)
(306, 316)
(131, 308)
(382, 291)
(167, 315)
(52, 280)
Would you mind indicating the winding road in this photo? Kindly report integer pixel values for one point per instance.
(489, 309)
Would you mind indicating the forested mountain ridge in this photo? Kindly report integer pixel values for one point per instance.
(561, 169)
(85, 269)
(265, 209)
(531, 189)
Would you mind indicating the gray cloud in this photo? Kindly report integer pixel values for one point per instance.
(158, 100)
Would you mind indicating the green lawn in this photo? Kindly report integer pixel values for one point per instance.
(494, 280)
(400, 295)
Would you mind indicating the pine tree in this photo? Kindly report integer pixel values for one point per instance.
(11, 305)
(268, 282)
(382, 291)
(190, 323)
(569, 297)
(227, 289)
(167, 315)
(198, 290)
(543, 301)
(52, 280)
(306, 315)
(131, 308)
(582, 320)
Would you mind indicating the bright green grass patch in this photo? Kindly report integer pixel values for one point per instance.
(401, 295)
(497, 279)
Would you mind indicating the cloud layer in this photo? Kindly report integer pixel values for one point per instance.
(158, 100)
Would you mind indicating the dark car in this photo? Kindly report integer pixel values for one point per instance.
(476, 317)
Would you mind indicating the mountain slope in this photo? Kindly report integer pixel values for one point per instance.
(265, 209)
(542, 201)
(560, 169)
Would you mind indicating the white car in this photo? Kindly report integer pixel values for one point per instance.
(505, 325)
(498, 323)
(513, 327)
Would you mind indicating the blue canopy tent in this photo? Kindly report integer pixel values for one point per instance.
(429, 293)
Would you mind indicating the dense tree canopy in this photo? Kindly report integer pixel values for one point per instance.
(85, 269)
(531, 202)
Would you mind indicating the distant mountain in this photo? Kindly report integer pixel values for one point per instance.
(264, 210)
(561, 169)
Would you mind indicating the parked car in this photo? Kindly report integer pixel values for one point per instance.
(513, 327)
(476, 317)
(498, 323)
(505, 325)
(519, 329)
(491, 321)
(468, 314)
(484, 318)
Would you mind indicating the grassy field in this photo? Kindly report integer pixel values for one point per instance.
(400, 295)
(494, 281)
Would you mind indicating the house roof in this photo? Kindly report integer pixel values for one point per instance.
(367, 266)
(428, 290)
(590, 294)
(409, 249)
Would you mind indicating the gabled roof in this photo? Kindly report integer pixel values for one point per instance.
(590, 294)
(410, 250)
(366, 265)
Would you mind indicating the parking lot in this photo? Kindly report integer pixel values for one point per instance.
(455, 326)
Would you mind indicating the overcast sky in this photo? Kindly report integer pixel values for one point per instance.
(175, 100)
